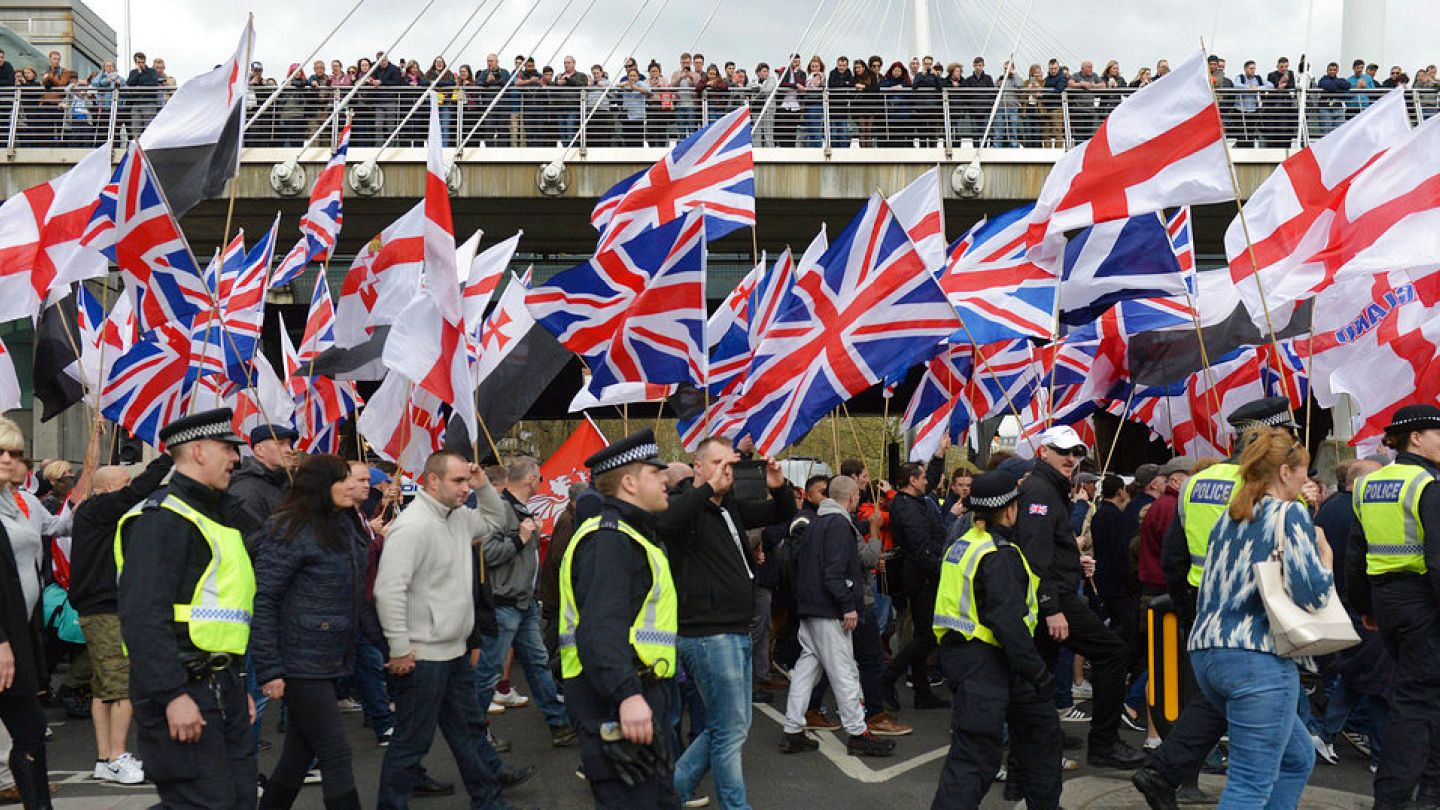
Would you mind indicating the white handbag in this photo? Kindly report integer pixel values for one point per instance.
(1299, 633)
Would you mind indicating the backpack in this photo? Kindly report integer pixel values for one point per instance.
(787, 551)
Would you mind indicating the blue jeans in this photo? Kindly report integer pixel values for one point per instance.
(520, 628)
(1258, 693)
(261, 701)
(720, 667)
(439, 693)
(369, 682)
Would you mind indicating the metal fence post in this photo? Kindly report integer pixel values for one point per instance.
(14, 120)
(1065, 114)
(946, 136)
(825, 118)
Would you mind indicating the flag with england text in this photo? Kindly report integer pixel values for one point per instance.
(870, 308)
(713, 167)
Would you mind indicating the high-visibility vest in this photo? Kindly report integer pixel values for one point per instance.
(1387, 502)
(652, 634)
(1202, 503)
(218, 613)
(955, 606)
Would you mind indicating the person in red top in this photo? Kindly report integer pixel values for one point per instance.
(1156, 521)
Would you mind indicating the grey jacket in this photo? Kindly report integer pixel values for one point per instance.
(510, 565)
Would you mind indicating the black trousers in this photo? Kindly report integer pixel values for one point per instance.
(25, 720)
(1107, 655)
(588, 709)
(218, 771)
(1409, 621)
(920, 593)
(1194, 734)
(313, 731)
(987, 698)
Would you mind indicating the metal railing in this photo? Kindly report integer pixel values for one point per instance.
(545, 117)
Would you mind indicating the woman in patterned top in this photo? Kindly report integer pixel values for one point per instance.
(1231, 648)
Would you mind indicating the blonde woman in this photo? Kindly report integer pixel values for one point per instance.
(23, 524)
(1231, 647)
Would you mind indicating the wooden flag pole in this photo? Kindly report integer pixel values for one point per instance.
(1115, 440)
(859, 450)
(1210, 392)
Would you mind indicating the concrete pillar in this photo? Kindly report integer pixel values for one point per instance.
(920, 13)
(1362, 33)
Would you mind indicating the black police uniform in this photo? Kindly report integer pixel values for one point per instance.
(165, 556)
(996, 686)
(1407, 607)
(610, 577)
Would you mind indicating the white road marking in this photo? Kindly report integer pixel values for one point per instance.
(854, 767)
(85, 778)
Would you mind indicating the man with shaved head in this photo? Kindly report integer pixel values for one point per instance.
(93, 595)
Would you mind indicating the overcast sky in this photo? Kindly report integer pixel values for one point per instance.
(193, 37)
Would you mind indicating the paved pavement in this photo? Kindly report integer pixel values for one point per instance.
(827, 778)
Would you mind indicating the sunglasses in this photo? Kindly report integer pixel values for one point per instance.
(5, 451)
(1077, 452)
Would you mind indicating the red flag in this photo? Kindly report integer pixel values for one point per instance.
(565, 467)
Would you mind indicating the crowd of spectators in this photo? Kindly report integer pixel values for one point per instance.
(859, 101)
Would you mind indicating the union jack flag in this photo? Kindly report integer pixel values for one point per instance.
(132, 225)
(728, 330)
(325, 401)
(148, 386)
(714, 168)
(999, 291)
(320, 226)
(937, 407)
(1004, 377)
(660, 337)
(1284, 373)
(870, 308)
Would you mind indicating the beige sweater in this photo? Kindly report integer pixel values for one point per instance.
(423, 588)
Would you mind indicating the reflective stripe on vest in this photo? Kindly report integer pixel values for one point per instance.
(219, 612)
(652, 634)
(1202, 503)
(955, 607)
(1387, 503)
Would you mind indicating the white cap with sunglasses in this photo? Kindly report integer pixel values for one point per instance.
(1062, 437)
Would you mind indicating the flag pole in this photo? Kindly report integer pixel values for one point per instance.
(985, 364)
(1210, 393)
(1309, 353)
(859, 450)
(625, 416)
(480, 420)
(834, 439)
(1115, 440)
(1245, 227)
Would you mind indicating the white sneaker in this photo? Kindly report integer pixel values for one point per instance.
(1082, 691)
(495, 708)
(1151, 743)
(312, 777)
(1074, 715)
(512, 699)
(127, 770)
(349, 705)
(102, 771)
(1324, 750)
(698, 801)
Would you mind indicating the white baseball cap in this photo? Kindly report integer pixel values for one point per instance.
(1061, 437)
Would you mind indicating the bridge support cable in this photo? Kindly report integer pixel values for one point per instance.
(300, 67)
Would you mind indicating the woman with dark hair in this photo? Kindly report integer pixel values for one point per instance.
(862, 106)
(895, 87)
(309, 575)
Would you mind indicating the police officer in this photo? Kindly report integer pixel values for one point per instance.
(986, 612)
(1398, 508)
(186, 595)
(618, 621)
(1203, 500)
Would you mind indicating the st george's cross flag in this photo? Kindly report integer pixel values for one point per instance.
(1290, 214)
(40, 232)
(9, 383)
(1163, 146)
(485, 272)
(402, 423)
(382, 279)
(320, 226)
(505, 329)
(194, 141)
(714, 167)
(870, 308)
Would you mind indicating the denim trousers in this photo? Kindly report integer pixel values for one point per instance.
(438, 693)
(368, 681)
(1271, 755)
(261, 701)
(520, 628)
(719, 666)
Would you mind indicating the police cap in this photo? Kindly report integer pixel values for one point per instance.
(992, 490)
(1267, 412)
(213, 424)
(1414, 417)
(637, 447)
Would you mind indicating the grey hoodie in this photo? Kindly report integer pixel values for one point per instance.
(869, 548)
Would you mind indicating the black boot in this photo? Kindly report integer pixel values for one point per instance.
(278, 797)
(345, 801)
(32, 779)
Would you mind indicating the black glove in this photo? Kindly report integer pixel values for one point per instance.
(632, 763)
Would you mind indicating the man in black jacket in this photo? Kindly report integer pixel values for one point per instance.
(1046, 536)
(261, 481)
(703, 530)
(93, 594)
(917, 531)
(829, 596)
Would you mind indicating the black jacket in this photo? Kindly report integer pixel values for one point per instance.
(18, 627)
(610, 576)
(1111, 531)
(828, 581)
(255, 491)
(712, 568)
(165, 555)
(1044, 533)
(92, 539)
(1000, 587)
(1358, 582)
(307, 603)
(917, 526)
